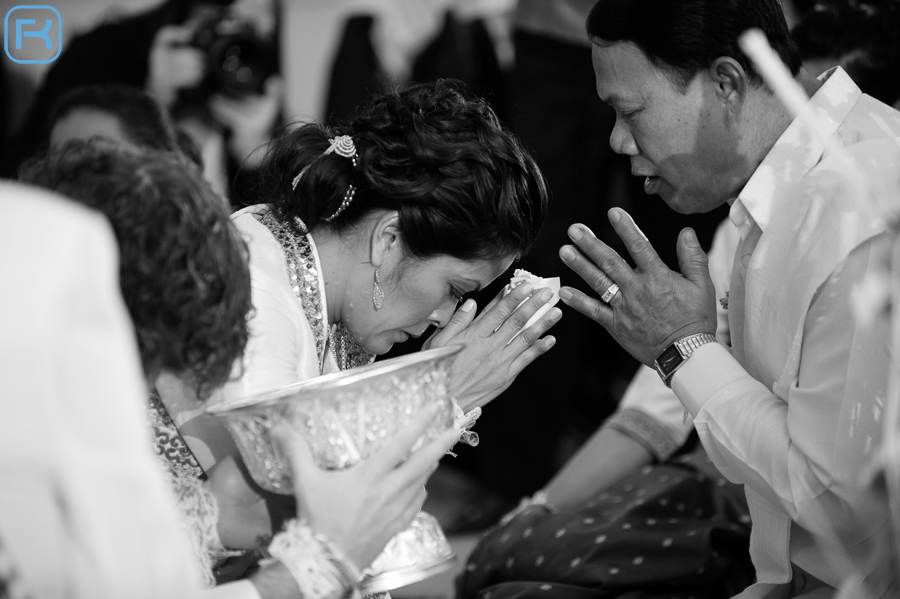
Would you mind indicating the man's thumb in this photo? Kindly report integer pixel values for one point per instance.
(692, 259)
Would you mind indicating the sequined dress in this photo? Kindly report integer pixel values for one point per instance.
(291, 340)
(306, 282)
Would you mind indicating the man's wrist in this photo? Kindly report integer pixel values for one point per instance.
(675, 355)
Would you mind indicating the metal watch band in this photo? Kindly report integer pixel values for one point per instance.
(689, 345)
(674, 356)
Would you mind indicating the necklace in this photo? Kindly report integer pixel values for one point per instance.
(304, 277)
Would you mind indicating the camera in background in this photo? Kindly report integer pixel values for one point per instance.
(238, 58)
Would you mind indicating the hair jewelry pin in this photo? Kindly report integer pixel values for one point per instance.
(343, 146)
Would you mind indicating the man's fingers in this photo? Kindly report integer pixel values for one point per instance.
(597, 278)
(593, 308)
(639, 247)
(598, 254)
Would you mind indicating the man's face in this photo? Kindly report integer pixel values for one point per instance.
(677, 140)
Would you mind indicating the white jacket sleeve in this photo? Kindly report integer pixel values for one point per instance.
(804, 452)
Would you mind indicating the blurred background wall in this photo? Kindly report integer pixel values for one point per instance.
(310, 32)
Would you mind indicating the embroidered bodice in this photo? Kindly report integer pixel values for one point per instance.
(306, 282)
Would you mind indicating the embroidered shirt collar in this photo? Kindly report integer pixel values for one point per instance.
(795, 152)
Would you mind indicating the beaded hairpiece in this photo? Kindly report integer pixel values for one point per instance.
(342, 145)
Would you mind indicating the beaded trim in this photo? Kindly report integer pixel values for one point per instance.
(303, 275)
(320, 570)
(343, 146)
(168, 444)
(198, 513)
(348, 352)
(348, 197)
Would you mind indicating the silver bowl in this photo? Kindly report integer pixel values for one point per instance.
(345, 417)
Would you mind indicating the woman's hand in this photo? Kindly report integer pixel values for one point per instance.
(173, 65)
(243, 516)
(359, 509)
(490, 362)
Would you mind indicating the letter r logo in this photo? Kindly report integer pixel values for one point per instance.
(32, 34)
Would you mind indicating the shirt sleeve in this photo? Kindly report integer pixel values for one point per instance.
(804, 452)
(651, 414)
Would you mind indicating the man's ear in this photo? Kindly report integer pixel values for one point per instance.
(731, 85)
(386, 238)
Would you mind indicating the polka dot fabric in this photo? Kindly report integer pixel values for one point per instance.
(674, 530)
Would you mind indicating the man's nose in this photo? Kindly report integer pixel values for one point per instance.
(621, 141)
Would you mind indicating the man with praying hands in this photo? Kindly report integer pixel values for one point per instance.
(792, 409)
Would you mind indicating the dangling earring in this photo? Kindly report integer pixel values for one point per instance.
(377, 293)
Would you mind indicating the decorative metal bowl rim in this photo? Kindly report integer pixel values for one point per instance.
(390, 580)
(333, 380)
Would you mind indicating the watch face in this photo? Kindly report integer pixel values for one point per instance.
(669, 359)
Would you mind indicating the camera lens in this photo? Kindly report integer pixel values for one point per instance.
(239, 60)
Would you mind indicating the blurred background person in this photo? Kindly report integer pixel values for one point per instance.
(126, 115)
(858, 36)
(212, 63)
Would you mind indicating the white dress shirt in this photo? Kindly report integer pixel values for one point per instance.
(795, 413)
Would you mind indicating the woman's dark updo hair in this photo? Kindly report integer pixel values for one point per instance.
(462, 184)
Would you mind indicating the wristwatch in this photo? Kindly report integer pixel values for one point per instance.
(674, 356)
